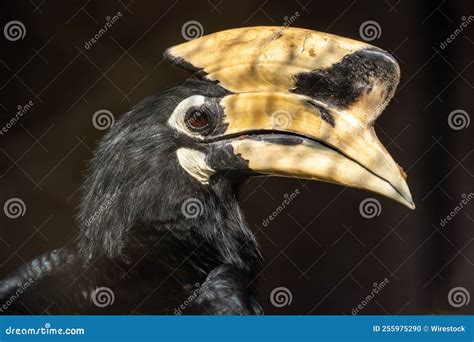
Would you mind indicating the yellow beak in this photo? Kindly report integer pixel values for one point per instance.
(302, 104)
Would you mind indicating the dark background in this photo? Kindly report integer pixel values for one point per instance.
(320, 247)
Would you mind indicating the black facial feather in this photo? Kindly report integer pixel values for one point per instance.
(136, 177)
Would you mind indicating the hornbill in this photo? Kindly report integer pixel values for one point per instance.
(161, 230)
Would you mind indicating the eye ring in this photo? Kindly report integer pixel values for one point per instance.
(198, 120)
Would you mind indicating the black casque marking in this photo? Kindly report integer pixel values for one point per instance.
(325, 114)
(344, 82)
(197, 73)
(182, 63)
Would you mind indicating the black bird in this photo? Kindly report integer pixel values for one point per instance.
(161, 227)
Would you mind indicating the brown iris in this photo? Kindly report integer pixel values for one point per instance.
(197, 119)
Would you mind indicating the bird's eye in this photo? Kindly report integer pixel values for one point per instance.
(197, 119)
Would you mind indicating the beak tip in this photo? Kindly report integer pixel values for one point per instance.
(408, 201)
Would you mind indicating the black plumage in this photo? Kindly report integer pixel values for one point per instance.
(134, 238)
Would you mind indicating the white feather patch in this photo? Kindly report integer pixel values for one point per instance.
(194, 162)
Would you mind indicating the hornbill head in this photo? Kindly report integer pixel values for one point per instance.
(269, 100)
(299, 104)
